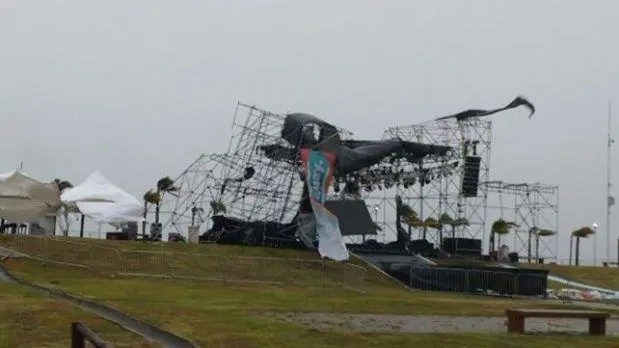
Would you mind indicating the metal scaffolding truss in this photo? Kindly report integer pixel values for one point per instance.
(199, 184)
(250, 185)
(442, 191)
(431, 186)
(531, 206)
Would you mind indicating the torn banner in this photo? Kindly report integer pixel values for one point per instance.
(318, 174)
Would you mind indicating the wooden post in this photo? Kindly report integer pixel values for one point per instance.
(577, 254)
(77, 339)
(571, 247)
(597, 326)
(515, 323)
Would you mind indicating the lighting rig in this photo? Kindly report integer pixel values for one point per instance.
(386, 176)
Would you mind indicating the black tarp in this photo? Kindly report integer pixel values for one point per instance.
(367, 153)
(353, 216)
(353, 155)
(298, 135)
(476, 113)
(235, 231)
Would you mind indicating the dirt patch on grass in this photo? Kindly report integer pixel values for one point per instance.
(375, 323)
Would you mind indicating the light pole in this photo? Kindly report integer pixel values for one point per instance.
(610, 200)
(595, 227)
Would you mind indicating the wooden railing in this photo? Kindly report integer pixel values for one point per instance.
(80, 334)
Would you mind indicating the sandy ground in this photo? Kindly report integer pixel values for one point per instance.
(429, 324)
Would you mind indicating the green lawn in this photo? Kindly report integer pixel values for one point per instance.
(224, 313)
(29, 320)
(604, 277)
(231, 315)
(213, 262)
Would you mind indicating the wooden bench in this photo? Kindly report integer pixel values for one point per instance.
(515, 318)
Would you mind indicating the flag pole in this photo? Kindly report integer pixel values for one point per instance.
(610, 200)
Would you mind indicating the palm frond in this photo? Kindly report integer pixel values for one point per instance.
(583, 232)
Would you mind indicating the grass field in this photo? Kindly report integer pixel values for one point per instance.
(30, 320)
(604, 277)
(220, 315)
(225, 314)
(214, 262)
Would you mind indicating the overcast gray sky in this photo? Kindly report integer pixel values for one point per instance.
(137, 89)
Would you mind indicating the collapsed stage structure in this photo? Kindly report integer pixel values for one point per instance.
(383, 193)
(253, 193)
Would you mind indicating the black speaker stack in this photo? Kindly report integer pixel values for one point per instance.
(470, 179)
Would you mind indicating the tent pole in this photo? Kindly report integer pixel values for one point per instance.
(82, 226)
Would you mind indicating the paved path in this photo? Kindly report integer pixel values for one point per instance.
(431, 324)
(5, 252)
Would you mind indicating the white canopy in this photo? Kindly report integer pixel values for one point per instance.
(4, 176)
(102, 201)
(24, 199)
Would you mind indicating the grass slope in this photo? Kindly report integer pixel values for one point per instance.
(215, 314)
(604, 277)
(214, 262)
(29, 320)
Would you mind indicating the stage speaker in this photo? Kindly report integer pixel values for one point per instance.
(462, 246)
(470, 178)
(155, 232)
(131, 229)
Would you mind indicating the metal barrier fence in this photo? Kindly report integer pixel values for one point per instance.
(80, 334)
(159, 263)
(477, 281)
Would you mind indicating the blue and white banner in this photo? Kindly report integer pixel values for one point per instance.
(318, 173)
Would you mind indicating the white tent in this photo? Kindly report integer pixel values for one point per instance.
(24, 199)
(4, 176)
(102, 201)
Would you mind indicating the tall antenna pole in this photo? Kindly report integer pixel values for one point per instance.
(610, 200)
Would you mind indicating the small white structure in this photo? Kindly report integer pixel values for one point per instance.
(503, 254)
(26, 200)
(194, 234)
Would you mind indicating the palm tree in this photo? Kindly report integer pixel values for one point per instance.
(195, 211)
(500, 227)
(164, 185)
(539, 233)
(458, 222)
(63, 185)
(402, 235)
(412, 220)
(444, 220)
(582, 232)
(218, 207)
(406, 210)
(407, 214)
(432, 223)
(150, 197)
